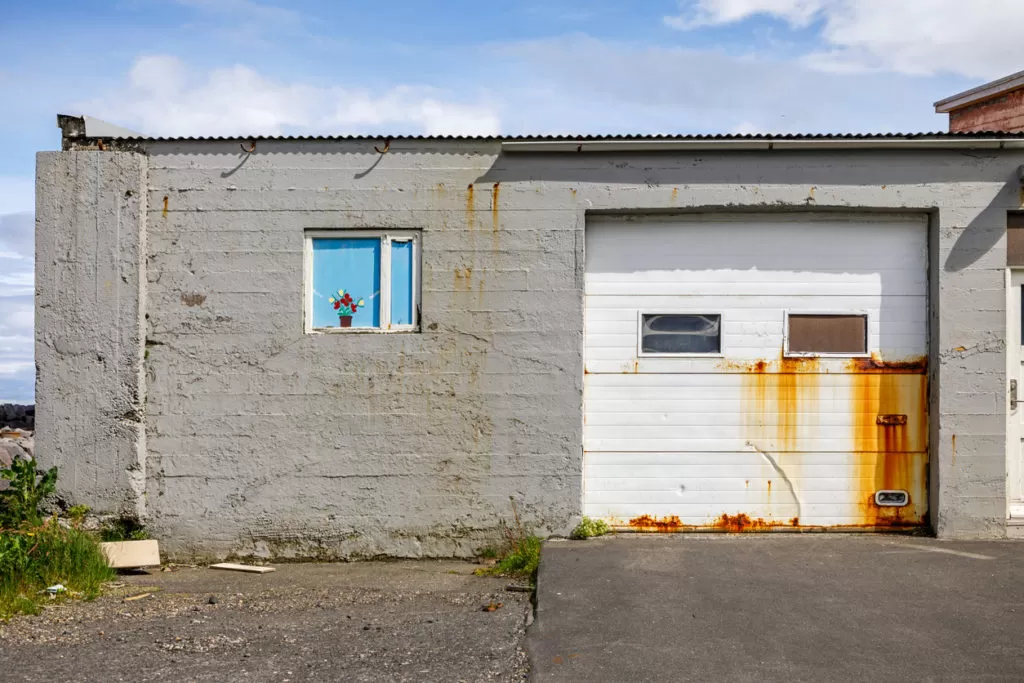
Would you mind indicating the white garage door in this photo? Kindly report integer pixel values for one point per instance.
(753, 373)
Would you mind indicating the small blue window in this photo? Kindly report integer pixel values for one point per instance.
(401, 283)
(354, 278)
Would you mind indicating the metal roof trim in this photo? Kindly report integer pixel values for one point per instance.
(581, 146)
(980, 93)
(74, 128)
(769, 137)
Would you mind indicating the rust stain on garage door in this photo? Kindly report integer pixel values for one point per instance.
(884, 437)
(890, 435)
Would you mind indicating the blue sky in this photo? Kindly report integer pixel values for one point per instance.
(195, 67)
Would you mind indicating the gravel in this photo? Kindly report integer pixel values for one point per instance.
(368, 621)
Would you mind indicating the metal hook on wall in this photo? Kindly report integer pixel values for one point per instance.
(252, 147)
(387, 147)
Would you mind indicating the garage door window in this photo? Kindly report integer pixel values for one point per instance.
(832, 334)
(678, 333)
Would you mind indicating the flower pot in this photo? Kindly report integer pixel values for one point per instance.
(344, 321)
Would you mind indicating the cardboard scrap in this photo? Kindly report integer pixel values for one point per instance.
(231, 566)
(132, 554)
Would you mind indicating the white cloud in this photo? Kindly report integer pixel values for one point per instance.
(164, 96)
(17, 286)
(578, 84)
(713, 12)
(979, 39)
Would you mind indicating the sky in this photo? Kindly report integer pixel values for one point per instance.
(237, 67)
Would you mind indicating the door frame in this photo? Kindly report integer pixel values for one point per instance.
(1014, 426)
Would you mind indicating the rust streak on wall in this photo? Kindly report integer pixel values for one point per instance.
(463, 279)
(494, 206)
(470, 208)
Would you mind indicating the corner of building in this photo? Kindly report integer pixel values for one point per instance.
(89, 339)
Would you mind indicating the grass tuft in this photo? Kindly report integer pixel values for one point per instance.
(33, 558)
(518, 556)
(521, 559)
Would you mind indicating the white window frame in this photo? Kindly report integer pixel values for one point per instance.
(386, 237)
(647, 354)
(793, 354)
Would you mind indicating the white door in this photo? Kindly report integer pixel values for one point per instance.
(751, 373)
(1015, 426)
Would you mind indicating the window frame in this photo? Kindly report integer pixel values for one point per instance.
(786, 353)
(386, 237)
(662, 354)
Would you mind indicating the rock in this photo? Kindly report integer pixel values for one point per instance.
(17, 416)
(11, 450)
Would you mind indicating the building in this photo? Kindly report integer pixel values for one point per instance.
(352, 347)
(995, 106)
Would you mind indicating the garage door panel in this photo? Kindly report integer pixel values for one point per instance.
(702, 441)
(758, 242)
(740, 457)
(829, 380)
(744, 480)
(694, 437)
(755, 307)
(747, 346)
(650, 463)
(751, 288)
(609, 409)
(729, 500)
(652, 366)
(600, 424)
(673, 517)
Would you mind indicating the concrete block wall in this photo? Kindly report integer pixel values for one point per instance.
(264, 440)
(90, 296)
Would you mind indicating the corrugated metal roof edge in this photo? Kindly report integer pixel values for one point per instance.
(768, 137)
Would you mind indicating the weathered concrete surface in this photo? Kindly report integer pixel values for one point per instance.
(90, 273)
(262, 440)
(782, 608)
(265, 440)
(398, 621)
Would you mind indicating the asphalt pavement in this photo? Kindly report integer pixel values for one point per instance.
(779, 608)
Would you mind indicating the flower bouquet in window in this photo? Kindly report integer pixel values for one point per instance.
(345, 306)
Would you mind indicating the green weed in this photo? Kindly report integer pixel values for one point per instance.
(123, 529)
(76, 515)
(522, 559)
(33, 558)
(590, 528)
(20, 502)
(518, 556)
(35, 554)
